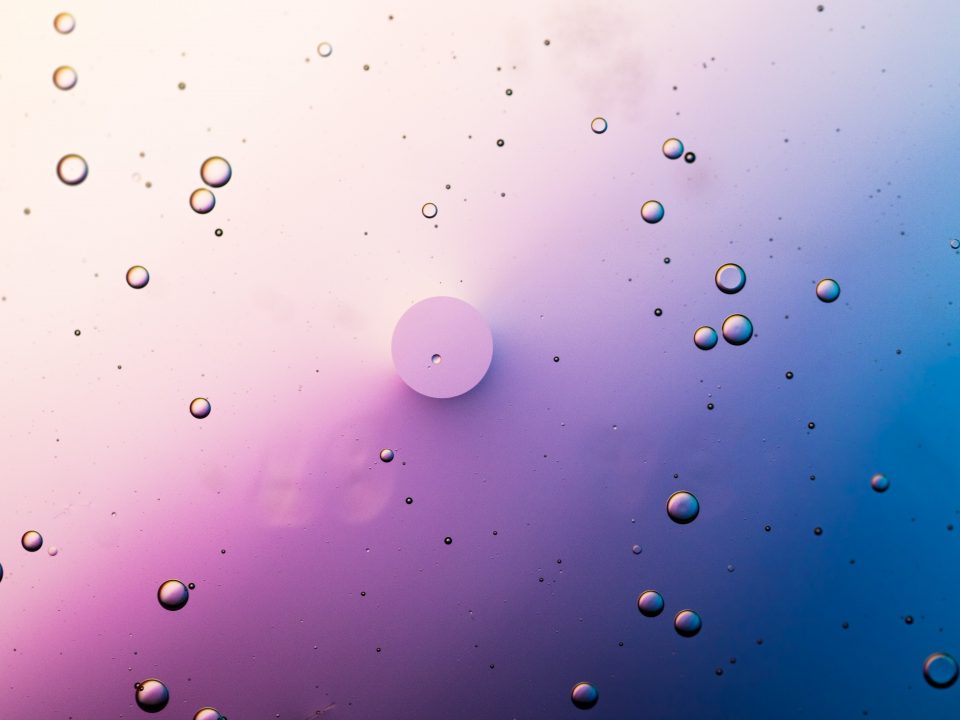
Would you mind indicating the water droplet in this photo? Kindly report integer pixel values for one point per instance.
(152, 695)
(173, 595)
(65, 77)
(737, 329)
(672, 148)
(216, 171)
(955, 244)
(683, 507)
(637, 549)
(429, 210)
(31, 541)
(447, 540)
(940, 670)
(200, 408)
(880, 483)
(53, 550)
(705, 337)
(386, 455)
(828, 290)
(652, 211)
(598, 125)
(690, 157)
(64, 23)
(207, 713)
(72, 169)
(325, 49)
(687, 623)
(730, 278)
(650, 603)
(138, 277)
(202, 201)
(584, 695)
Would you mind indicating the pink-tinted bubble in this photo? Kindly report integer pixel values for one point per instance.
(672, 148)
(429, 210)
(202, 201)
(207, 713)
(200, 408)
(31, 541)
(216, 171)
(828, 290)
(598, 125)
(64, 23)
(687, 623)
(173, 595)
(65, 77)
(152, 695)
(650, 603)
(683, 507)
(705, 337)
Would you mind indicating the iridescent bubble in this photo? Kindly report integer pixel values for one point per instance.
(202, 201)
(687, 623)
(598, 125)
(737, 329)
(152, 695)
(173, 595)
(652, 211)
(705, 337)
(584, 695)
(683, 507)
(650, 603)
(324, 49)
(72, 169)
(138, 277)
(386, 455)
(730, 278)
(672, 148)
(880, 483)
(216, 171)
(207, 713)
(828, 290)
(940, 670)
(65, 77)
(64, 23)
(31, 541)
(429, 210)
(200, 408)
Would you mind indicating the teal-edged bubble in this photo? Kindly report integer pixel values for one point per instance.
(672, 148)
(387, 455)
(705, 337)
(687, 623)
(650, 603)
(152, 695)
(173, 595)
(880, 483)
(598, 125)
(683, 507)
(200, 408)
(652, 211)
(828, 290)
(584, 695)
(31, 541)
(940, 670)
(737, 329)
(730, 278)
(208, 713)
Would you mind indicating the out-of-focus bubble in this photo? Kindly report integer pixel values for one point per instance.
(216, 171)
(72, 169)
(152, 695)
(173, 595)
(64, 23)
(429, 210)
(730, 278)
(207, 713)
(955, 244)
(940, 670)
(672, 148)
(324, 49)
(200, 408)
(202, 201)
(138, 277)
(687, 623)
(53, 550)
(386, 455)
(598, 125)
(31, 541)
(880, 483)
(652, 211)
(584, 695)
(1, 572)
(705, 337)
(690, 158)
(683, 507)
(65, 77)
(737, 329)
(828, 290)
(650, 603)
(637, 549)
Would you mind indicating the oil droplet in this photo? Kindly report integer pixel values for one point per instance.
(828, 290)
(31, 541)
(683, 507)
(584, 695)
(200, 408)
(386, 455)
(730, 278)
(202, 201)
(152, 695)
(687, 623)
(672, 148)
(138, 277)
(429, 210)
(652, 211)
(598, 125)
(173, 595)
(72, 169)
(940, 670)
(65, 77)
(216, 171)
(737, 329)
(207, 713)
(637, 549)
(64, 23)
(690, 158)
(880, 483)
(650, 603)
(705, 337)
(324, 49)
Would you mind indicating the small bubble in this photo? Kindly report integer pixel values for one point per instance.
(216, 171)
(152, 695)
(72, 169)
(637, 549)
(172, 595)
(191, 586)
(737, 329)
(828, 290)
(77, 332)
(547, 42)
(658, 312)
(409, 501)
(819, 8)
(584, 695)
(730, 568)
(880, 483)
(789, 375)
(200, 408)
(705, 337)
(218, 232)
(436, 359)
(690, 158)
(429, 210)
(598, 125)
(31, 541)
(818, 531)
(718, 672)
(65, 77)
(556, 358)
(53, 550)
(64, 23)
(940, 670)
(202, 201)
(223, 551)
(138, 277)
(908, 619)
(650, 603)
(845, 625)
(955, 244)
(447, 540)
(730, 278)
(666, 261)
(386, 455)
(683, 507)
(767, 528)
(509, 92)
(811, 425)
(652, 211)
(366, 68)
(207, 713)
(687, 623)
(500, 142)
(710, 406)
(182, 85)
(324, 49)
(672, 148)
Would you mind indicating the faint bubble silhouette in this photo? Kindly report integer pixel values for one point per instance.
(325, 49)
(650, 603)
(72, 169)
(65, 77)
(683, 507)
(202, 201)
(940, 670)
(584, 695)
(652, 211)
(31, 541)
(687, 623)
(216, 171)
(173, 595)
(672, 148)
(705, 337)
(152, 695)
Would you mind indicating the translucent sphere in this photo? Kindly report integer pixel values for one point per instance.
(31, 541)
(202, 201)
(215, 171)
(737, 329)
(683, 507)
(584, 695)
(637, 549)
(72, 169)
(687, 623)
(200, 408)
(705, 337)
(386, 455)
(1, 572)
(652, 211)
(940, 670)
(324, 49)
(730, 278)
(828, 290)
(207, 713)
(955, 244)
(880, 483)
(53, 550)
(650, 603)
(672, 148)
(138, 277)
(429, 210)
(152, 695)
(65, 77)
(598, 125)
(64, 23)
(173, 595)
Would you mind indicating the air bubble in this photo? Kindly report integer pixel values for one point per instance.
(138, 277)
(940, 670)
(730, 278)
(672, 148)
(65, 77)
(200, 408)
(737, 329)
(208, 713)
(64, 23)
(652, 211)
(429, 210)
(683, 507)
(687, 623)
(216, 171)
(584, 695)
(598, 125)
(53, 551)
(955, 244)
(386, 455)
(173, 595)
(31, 541)
(324, 49)
(705, 337)
(880, 483)
(72, 169)
(650, 603)
(828, 290)
(690, 158)
(637, 549)
(152, 695)
(202, 201)
(447, 540)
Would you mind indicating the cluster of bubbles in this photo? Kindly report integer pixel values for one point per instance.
(686, 623)
(72, 168)
(215, 172)
(737, 329)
